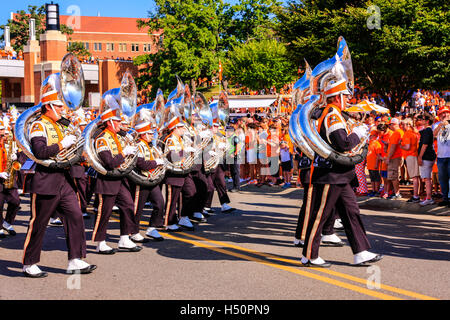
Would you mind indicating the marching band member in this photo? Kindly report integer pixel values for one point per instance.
(203, 185)
(218, 179)
(78, 170)
(10, 195)
(113, 191)
(52, 189)
(178, 184)
(330, 185)
(145, 163)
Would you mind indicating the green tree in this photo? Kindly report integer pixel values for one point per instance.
(79, 50)
(259, 64)
(409, 49)
(190, 42)
(19, 27)
(253, 19)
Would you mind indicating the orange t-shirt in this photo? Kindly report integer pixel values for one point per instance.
(3, 159)
(287, 138)
(410, 137)
(375, 149)
(395, 139)
(385, 137)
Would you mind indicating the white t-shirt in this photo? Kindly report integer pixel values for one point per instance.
(285, 155)
(443, 141)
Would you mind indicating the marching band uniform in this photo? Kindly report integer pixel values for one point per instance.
(178, 184)
(145, 163)
(51, 190)
(330, 187)
(328, 235)
(113, 190)
(218, 179)
(203, 185)
(10, 196)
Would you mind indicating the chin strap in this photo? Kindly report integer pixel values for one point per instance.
(54, 111)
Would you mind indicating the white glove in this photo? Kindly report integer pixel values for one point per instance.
(68, 141)
(361, 131)
(129, 150)
(189, 149)
(212, 153)
(4, 175)
(14, 157)
(205, 134)
(159, 162)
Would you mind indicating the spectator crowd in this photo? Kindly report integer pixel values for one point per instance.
(410, 148)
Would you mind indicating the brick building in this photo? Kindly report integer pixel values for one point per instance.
(112, 42)
(108, 37)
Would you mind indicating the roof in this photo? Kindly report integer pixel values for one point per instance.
(95, 24)
(104, 24)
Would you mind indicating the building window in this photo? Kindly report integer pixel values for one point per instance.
(110, 47)
(122, 47)
(134, 47)
(147, 47)
(86, 45)
(69, 44)
(97, 46)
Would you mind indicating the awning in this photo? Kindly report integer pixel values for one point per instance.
(249, 103)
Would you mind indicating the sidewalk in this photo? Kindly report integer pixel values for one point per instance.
(371, 203)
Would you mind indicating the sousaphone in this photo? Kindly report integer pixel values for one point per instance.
(69, 84)
(336, 68)
(124, 98)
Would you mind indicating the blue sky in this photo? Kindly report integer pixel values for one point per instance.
(106, 8)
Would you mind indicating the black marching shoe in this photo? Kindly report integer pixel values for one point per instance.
(42, 274)
(332, 244)
(86, 270)
(111, 251)
(366, 258)
(308, 263)
(132, 249)
(26, 272)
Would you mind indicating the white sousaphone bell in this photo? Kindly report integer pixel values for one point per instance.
(69, 86)
(123, 98)
(334, 69)
(152, 113)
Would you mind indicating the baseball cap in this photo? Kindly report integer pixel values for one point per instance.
(394, 121)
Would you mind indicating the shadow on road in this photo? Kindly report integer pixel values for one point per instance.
(394, 235)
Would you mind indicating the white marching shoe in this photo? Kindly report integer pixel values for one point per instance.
(197, 216)
(298, 243)
(78, 266)
(9, 228)
(318, 262)
(103, 248)
(173, 228)
(55, 222)
(226, 208)
(365, 257)
(125, 244)
(186, 223)
(33, 271)
(332, 240)
(154, 234)
(338, 224)
(137, 238)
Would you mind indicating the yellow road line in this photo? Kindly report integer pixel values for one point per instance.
(338, 283)
(327, 271)
(291, 269)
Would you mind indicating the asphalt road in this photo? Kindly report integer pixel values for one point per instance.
(245, 255)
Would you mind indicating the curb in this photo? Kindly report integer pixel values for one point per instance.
(363, 202)
(376, 203)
